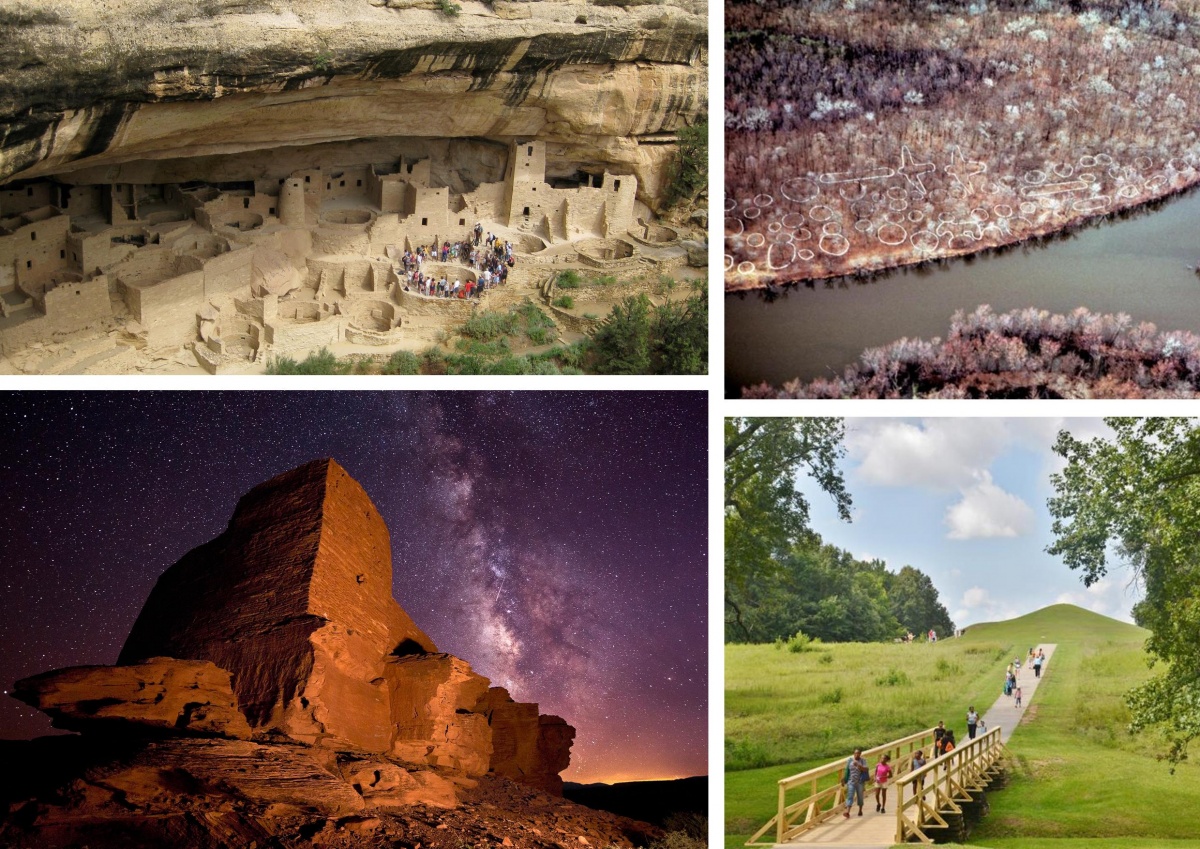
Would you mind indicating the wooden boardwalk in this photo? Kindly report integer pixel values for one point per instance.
(918, 802)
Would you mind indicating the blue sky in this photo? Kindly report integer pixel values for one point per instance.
(964, 500)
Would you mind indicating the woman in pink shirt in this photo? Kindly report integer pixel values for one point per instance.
(883, 774)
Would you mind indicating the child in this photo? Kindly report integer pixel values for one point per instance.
(883, 773)
(1018, 694)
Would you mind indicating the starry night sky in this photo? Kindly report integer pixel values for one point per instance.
(556, 541)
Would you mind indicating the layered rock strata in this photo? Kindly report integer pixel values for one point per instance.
(526, 747)
(86, 85)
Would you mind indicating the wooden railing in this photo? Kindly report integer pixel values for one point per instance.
(923, 796)
(825, 793)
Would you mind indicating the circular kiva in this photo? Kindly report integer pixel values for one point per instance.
(728, 262)
(752, 213)
(958, 192)
(1128, 192)
(852, 191)
(924, 241)
(936, 196)
(745, 268)
(1035, 177)
(803, 234)
(834, 244)
(763, 200)
(862, 209)
(992, 230)
(1063, 171)
(774, 227)
(831, 228)
(876, 196)
(1088, 178)
(1028, 207)
(898, 205)
(891, 234)
(1142, 163)
(806, 255)
(864, 225)
(822, 213)
(793, 220)
(1002, 210)
(897, 193)
(1103, 159)
(914, 215)
(961, 241)
(734, 226)
(979, 213)
(755, 240)
(1114, 172)
(780, 256)
(1088, 161)
(1156, 182)
(730, 204)
(783, 239)
(800, 190)
(893, 217)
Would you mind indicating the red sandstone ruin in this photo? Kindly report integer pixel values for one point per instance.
(284, 630)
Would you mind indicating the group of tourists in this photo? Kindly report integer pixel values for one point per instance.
(858, 772)
(491, 261)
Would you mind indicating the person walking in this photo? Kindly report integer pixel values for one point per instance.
(1017, 693)
(855, 777)
(883, 774)
(919, 761)
(1037, 664)
(972, 721)
(948, 742)
(939, 734)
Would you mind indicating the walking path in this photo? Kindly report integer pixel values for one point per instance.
(873, 831)
(1004, 713)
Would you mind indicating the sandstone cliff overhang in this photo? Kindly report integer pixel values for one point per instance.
(85, 85)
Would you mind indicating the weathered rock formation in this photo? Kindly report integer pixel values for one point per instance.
(526, 747)
(283, 633)
(104, 85)
(181, 696)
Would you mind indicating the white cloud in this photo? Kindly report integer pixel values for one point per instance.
(975, 597)
(935, 453)
(986, 511)
(978, 605)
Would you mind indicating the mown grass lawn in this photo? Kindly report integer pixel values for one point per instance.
(1079, 780)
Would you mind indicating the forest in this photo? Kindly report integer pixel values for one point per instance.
(826, 593)
(863, 134)
(1026, 353)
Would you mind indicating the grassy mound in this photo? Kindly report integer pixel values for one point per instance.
(1079, 780)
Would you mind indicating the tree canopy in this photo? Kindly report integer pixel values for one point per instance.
(764, 511)
(826, 592)
(1135, 496)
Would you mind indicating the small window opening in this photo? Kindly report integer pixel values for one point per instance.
(530, 152)
(306, 178)
(424, 221)
(526, 213)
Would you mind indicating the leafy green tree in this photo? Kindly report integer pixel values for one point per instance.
(689, 172)
(621, 344)
(1134, 496)
(914, 602)
(680, 335)
(765, 514)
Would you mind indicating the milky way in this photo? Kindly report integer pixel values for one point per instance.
(556, 541)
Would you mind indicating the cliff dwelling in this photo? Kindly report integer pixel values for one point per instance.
(362, 201)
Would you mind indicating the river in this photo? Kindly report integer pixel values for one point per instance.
(1137, 266)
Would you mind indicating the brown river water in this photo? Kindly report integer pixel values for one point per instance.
(1138, 266)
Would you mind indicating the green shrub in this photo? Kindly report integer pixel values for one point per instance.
(321, 362)
(832, 697)
(826, 657)
(538, 335)
(606, 280)
(893, 678)
(449, 9)
(402, 362)
(801, 642)
(510, 365)
(566, 302)
(489, 324)
(946, 669)
(568, 279)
